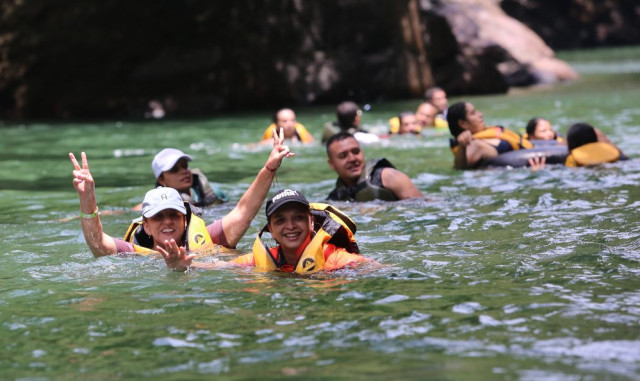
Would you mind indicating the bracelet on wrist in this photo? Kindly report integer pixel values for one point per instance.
(270, 170)
(90, 215)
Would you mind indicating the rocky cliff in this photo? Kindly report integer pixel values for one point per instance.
(79, 59)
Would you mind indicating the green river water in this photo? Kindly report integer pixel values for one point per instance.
(499, 275)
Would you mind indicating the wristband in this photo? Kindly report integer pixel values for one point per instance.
(269, 169)
(90, 216)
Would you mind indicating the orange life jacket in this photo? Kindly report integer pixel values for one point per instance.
(330, 226)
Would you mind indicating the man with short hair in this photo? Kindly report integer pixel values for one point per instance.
(348, 120)
(293, 130)
(438, 97)
(408, 123)
(365, 181)
(426, 114)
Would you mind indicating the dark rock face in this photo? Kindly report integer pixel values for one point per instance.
(566, 24)
(109, 58)
(79, 59)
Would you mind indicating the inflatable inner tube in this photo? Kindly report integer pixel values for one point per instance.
(553, 152)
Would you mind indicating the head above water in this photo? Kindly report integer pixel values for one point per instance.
(426, 114)
(540, 129)
(290, 222)
(164, 216)
(348, 114)
(285, 118)
(438, 97)
(166, 159)
(345, 157)
(283, 197)
(455, 113)
(580, 134)
(463, 116)
(408, 123)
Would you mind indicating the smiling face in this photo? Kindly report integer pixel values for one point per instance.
(290, 225)
(165, 225)
(474, 121)
(179, 177)
(347, 159)
(543, 131)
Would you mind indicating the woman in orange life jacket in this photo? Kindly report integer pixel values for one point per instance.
(474, 141)
(291, 225)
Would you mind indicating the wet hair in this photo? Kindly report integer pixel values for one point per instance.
(340, 136)
(428, 95)
(346, 114)
(274, 118)
(580, 134)
(531, 126)
(405, 114)
(455, 113)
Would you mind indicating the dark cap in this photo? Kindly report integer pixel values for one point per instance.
(284, 196)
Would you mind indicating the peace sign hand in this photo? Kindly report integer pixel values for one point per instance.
(82, 179)
(279, 152)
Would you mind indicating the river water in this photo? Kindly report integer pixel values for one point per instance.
(499, 274)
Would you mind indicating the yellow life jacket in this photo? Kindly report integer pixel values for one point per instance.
(496, 132)
(330, 226)
(198, 239)
(301, 131)
(592, 154)
(440, 122)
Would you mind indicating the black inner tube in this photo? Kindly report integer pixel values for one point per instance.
(554, 152)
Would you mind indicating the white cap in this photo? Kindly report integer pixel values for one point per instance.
(161, 198)
(166, 159)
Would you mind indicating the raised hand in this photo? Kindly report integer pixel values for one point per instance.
(82, 179)
(279, 152)
(175, 256)
(99, 242)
